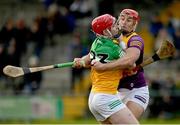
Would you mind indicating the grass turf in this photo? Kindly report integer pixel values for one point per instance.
(85, 121)
(93, 121)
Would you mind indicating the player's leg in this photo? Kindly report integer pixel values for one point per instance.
(135, 108)
(136, 100)
(109, 108)
(123, 116)
(93, 110)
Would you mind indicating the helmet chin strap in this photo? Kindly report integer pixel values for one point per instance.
(110, 36)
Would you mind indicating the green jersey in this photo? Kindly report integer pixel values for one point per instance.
(105, 50)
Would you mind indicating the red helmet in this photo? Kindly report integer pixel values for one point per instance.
(132, 13)
(100, 23)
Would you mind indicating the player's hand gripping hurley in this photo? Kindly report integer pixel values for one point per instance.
(166, 50)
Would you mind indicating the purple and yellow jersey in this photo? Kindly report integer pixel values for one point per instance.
(105, 50)
(137, 80)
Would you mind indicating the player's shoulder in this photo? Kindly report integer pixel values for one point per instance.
(136, 41)
(136, 37)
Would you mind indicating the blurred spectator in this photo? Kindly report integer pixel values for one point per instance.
(32, 82)
(69, 18)
(168, 103)
(155, 25)
(3, 58)
(174, 21)
(13, 40)
(76, 50)
(162, 98)
(11, 43)
(22, 36)
(91, 36)
(162, 35)
(39, 30)
(47, 3)
(65, 3)
(177, 42)
(7, 31)
(170, 25)
(155, 101)
(59, 20)
(106, 6)
(81, 8)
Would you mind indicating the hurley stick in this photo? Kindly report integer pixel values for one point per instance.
(166, 50)
(14, 71)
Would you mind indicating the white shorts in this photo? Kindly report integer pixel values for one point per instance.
(137, 95)
(103, 106)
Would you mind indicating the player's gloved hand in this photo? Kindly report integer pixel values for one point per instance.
(78, 63)
(130, 72)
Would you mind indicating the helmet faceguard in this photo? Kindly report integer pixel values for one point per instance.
(101, 23)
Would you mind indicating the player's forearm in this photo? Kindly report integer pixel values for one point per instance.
(122, 63)
(127, 61)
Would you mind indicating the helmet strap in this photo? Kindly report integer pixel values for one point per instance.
(109, 33)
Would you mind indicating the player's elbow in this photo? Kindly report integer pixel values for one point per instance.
(130, 63)
(131, 60)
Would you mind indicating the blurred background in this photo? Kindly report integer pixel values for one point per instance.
(45, 32)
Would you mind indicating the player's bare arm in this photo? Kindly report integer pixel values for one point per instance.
(132, 54)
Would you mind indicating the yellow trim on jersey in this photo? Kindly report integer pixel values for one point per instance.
(126, 38)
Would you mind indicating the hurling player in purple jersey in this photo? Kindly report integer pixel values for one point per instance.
(133, 88)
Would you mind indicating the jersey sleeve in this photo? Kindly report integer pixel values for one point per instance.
(118, 52)
(137, 42)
